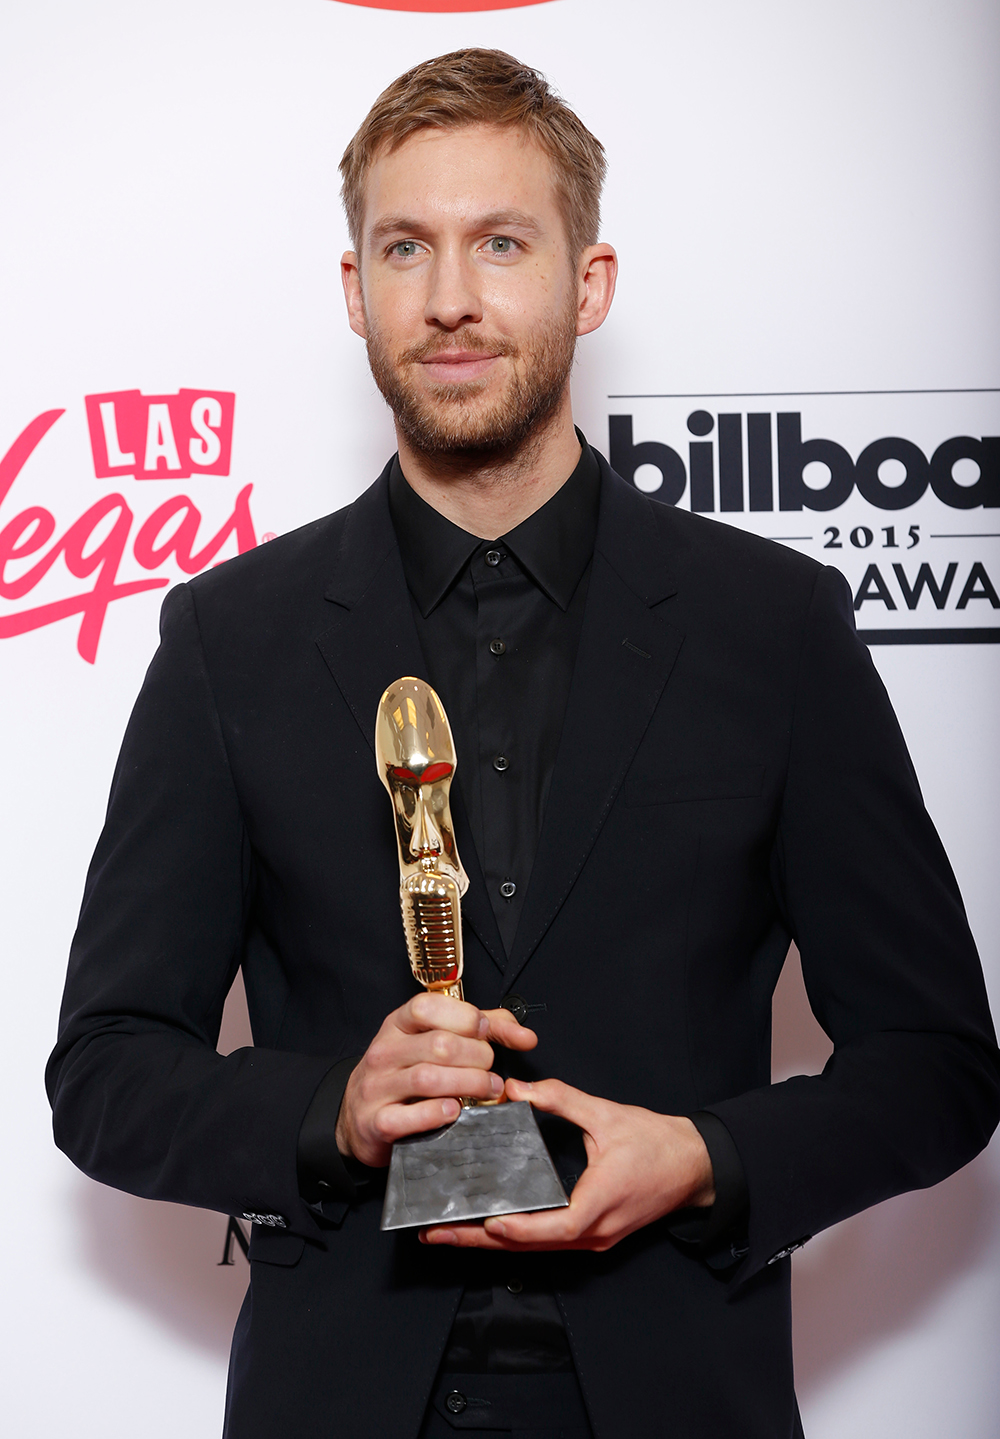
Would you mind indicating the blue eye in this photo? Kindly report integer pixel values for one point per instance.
(406, 249)
(501, 245)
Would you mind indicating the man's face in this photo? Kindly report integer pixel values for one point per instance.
(468, 295)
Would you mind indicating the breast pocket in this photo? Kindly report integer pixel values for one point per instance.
(728, 782)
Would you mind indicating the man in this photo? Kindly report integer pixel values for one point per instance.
(674, 756)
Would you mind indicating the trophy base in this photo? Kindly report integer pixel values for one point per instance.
(491, 1160)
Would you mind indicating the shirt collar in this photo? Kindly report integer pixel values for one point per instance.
(554, 545)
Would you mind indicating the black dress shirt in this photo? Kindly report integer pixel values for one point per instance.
(499, 624)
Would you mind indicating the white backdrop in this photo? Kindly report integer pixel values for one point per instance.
(805, 201)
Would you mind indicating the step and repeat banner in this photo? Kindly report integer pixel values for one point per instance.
(805, 344)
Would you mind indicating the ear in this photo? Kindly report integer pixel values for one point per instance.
(350, 274)
(597, 272)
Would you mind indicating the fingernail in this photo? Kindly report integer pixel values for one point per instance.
(496, 1084)
(484, 1027)
(441, 1236)
(450, 1108)
(497, 1227)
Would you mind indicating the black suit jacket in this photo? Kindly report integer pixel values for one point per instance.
(730, 776)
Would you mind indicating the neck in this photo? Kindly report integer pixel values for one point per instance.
(491, 494)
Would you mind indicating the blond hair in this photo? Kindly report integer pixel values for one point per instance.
(482, 87)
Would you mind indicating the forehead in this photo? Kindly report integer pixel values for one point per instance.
(457, 175)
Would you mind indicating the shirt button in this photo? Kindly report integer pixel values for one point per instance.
(456, 1402)
(501, 762)
(497, 647)
(508, 889)
(493, 557)
(514, 1286)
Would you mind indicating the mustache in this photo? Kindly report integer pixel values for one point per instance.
(468, 341)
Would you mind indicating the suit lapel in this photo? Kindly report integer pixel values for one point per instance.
(372, 641)
(627, 650)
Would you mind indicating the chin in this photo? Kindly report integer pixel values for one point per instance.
(495, 416)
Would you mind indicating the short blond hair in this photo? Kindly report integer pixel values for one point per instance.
(482, 87)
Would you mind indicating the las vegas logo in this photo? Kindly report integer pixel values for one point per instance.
(133, 437)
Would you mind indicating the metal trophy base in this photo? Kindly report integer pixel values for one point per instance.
(491, 1160)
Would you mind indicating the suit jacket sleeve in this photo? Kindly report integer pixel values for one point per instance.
(911, 1090)
(141, 1098)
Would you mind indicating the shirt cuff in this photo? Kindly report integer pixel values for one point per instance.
(325, 1175)
(717, 1234)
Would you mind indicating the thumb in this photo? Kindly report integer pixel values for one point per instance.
(504, 1029)
(553, 1097)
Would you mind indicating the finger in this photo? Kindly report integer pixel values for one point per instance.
(461, 1236)
(551, 1228)
(504, 1029)
(394, 1121)
(426, 1080)
(553, 1097)
(441, 1046)
(440, 1011)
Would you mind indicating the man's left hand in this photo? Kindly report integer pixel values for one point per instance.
(640, 1166)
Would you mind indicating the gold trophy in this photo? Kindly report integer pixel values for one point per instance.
(492, 1158)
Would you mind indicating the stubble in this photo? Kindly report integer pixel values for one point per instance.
(453, 421)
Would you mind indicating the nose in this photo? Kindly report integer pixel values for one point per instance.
(454, 299)
(426, 835)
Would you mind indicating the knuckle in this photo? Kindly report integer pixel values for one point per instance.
(443, 1047)
(382, 1127)
(424, 1076)
(378, 1053)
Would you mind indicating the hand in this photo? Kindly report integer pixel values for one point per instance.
(640, 1166)
(425, 1057)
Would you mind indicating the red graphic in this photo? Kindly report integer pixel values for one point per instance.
(89, 547)
(430, 774)
(161, 437)
(439, 6)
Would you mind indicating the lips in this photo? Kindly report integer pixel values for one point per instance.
(452, 367)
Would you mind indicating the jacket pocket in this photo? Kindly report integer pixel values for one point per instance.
(726, 782)
(275, 1246)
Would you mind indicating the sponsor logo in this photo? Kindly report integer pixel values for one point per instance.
(161, 437)
(905, 500)
(112, 550)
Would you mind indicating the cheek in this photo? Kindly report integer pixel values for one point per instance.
(528, 297)
(405, 804)
(394, 307)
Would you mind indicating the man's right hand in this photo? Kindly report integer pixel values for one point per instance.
(425, 1057)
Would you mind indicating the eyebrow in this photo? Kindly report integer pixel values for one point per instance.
(495, 220)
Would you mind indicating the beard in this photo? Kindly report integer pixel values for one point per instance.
(453, 420)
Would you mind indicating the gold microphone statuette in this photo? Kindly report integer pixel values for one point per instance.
(416, 763)
(492, 1158)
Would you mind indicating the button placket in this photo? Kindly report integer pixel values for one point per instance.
(496, 590)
